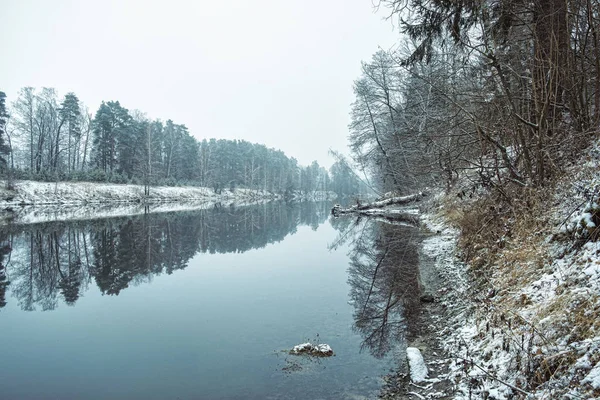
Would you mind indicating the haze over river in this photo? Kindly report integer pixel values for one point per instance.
(204, 305)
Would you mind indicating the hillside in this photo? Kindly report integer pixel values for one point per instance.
(522, 268)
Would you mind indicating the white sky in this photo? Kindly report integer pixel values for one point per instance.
(277, 72)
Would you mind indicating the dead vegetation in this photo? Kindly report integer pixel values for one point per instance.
(538, 321)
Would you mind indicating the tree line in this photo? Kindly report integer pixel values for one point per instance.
(44, 137)
(506, 90)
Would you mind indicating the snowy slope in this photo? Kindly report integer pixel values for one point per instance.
(43, 193)
(536, 332)
(33, 202)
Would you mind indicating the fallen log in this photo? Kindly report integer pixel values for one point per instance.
(398, 200)
(395, 217)
(377, 209)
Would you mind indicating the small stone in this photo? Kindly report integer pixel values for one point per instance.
(427, 298)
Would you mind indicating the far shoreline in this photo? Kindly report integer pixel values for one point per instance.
(37, 202)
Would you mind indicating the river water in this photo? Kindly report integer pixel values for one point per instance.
(204, 305)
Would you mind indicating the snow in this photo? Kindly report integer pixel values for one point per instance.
(418, 369)
(77, 193)
(312, 349)
(324, 348)
(34, 202)
(388, 213)
(593, 378)
(53, 213)
(557, 322)
(302, 347)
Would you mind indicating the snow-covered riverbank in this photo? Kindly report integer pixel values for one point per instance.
(517, 313)
(73, 212)
(34, 202)
(523, 311)
(79, 193)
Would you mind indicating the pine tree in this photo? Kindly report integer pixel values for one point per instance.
(70, 116)
(112, 133)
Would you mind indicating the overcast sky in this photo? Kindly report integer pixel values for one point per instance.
(277, 72)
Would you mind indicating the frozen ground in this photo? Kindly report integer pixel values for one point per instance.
(33, 202)
(536, 333)
(44, 193)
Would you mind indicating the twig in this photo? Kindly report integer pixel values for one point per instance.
(513, 387)
(420, 387)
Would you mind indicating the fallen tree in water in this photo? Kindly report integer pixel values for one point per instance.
(379, 209)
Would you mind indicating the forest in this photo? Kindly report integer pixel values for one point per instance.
(497, 104)
(503, 91)
(47, 138)
(506, 91)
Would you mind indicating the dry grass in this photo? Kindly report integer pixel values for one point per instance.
(502, 235)
(537, 306)
(576, 316)
(504, 243)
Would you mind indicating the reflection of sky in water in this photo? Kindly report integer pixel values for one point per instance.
(213, 330)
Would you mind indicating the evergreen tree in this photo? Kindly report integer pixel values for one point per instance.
(118, 146)
(112, 133)
(70, 114)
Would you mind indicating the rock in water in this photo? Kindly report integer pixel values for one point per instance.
(317, 350)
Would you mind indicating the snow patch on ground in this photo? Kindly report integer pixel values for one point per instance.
(43, 193)
(593, 378)
(416, 364)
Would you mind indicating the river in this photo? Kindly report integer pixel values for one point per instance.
(205, 304)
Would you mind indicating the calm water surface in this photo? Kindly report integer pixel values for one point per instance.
(203, 305)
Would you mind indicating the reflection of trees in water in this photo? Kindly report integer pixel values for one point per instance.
(384, 280)
(4, 251)
(45, 262)
(58, 260)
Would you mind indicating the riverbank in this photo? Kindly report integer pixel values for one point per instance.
(33, 202)
(517, 313)
(72, 212)
(534, 268)
(444, 287)
(81, 193)
(520, 313)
